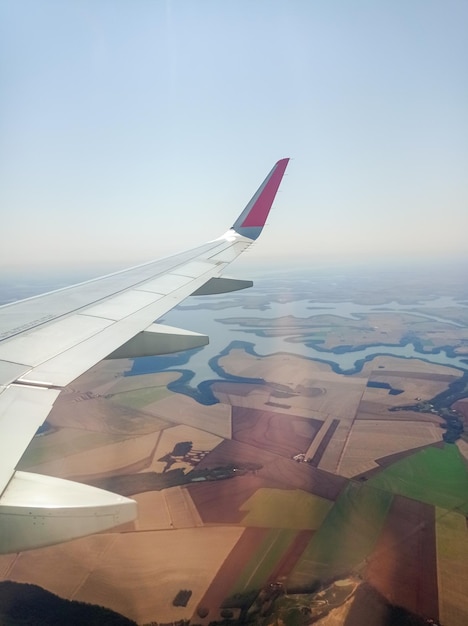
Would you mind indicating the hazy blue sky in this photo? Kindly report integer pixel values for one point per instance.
(130, 129)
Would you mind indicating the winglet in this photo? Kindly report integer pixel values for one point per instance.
(252, 219)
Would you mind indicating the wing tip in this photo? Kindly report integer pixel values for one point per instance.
(252, 219)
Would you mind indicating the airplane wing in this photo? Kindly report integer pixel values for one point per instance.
(47, 341)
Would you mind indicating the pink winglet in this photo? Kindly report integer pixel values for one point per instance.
(258, 214)
(252, 219)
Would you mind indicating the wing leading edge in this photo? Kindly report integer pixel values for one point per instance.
(48, 341)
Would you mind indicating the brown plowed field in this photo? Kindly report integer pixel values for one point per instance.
(292, 475)
(280, 433)
(292, 556)
(275, 470)
(403, 565)
(232, 567)
(218, 502)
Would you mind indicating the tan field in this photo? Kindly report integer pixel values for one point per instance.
(332, 455)
(412, 388)
(240, 363)
(389, 327)
(132, 454)
(60, 569)
(180, 409)
(182, 509)
(263, 397)
(100, 415)
(136, 574)
(107, 377)
(102, 376)
(372, 439)
(382, 363)
(64, 442)
(164, 510)
(334, 394)
(153, 513)
(129, 454)
(124, 384)
(7, 562)
(99, 404)
(201, 441)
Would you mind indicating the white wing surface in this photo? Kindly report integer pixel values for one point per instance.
(49, 340)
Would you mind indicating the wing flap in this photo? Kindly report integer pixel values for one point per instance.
(222, 285)
(22, 410)
(159, 339)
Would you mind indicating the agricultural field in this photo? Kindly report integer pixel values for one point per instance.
(65, 442)
(167, 456)
(130, 454)
(281, 508)
(452, 566)
(180, 409)
(282, 434)
(262, 561)
(157, 565)
(339, 395)
(437, 476)
(370, 440)
(232, 568)
(403, 564)
(372, 328)
(378, 497)
(346, 537)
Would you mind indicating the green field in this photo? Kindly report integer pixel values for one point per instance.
(139, 398)
(281, 508)
(452, 567)
(64, 442)
(437, 476)
(263, 560)
(346, 537)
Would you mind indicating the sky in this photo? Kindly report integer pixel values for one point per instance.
(133, 129)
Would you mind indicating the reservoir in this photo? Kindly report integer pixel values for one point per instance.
(204, 315)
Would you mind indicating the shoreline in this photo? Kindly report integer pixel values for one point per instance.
(203, 393)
